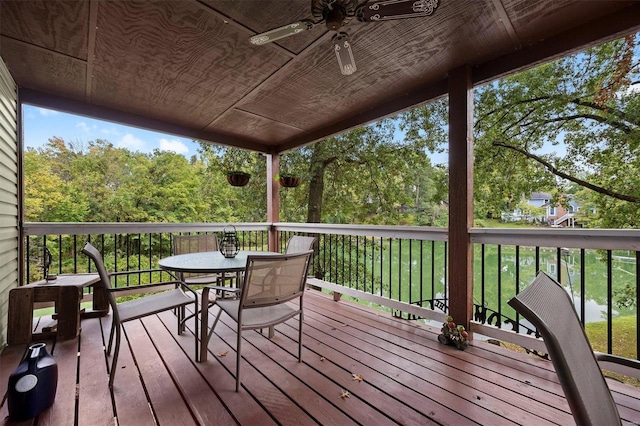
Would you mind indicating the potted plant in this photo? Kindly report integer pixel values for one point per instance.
(236, 161)
(453, 335)
(288, 177)
(238, 178)
(289, 180)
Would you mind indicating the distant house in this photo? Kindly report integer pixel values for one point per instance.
(555, 215)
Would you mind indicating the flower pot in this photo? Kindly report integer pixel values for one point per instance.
(238, 178)
(289, 181)
(450, 342)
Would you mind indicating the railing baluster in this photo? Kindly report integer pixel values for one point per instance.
(637, 299)
(499, 322)
(609, 303)
(433, 270)
(517, 284)
(583, 315)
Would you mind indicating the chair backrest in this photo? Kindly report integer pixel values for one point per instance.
(298, 244)
(548, 306)
(105, 277)
(270, 280)
(183, 244)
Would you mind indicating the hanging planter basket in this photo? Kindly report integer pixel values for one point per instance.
(289, 181)
(238, 178)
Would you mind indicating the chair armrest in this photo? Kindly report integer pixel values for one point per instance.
(147, 288)
(224, 289)
(618, 364)
(137, 271)
(142, 288)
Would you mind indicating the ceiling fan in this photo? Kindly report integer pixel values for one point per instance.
(336, 13)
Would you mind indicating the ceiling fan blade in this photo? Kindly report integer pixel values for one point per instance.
(342, 48)
(281, 32)
(395, 9)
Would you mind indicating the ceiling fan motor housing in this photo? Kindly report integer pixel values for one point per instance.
(334, 13)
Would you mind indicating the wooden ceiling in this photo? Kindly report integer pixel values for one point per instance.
(186, 67)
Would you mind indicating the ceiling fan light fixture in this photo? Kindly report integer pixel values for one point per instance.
(281, 32)
(342, 48)
(395, 9)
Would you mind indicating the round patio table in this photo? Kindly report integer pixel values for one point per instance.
(209, 262)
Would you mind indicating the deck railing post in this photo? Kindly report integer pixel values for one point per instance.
(460, 195)
(273, 198)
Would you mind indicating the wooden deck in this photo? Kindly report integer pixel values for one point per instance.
(409, 378)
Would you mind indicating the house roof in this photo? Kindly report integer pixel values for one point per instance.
(540, 196)
(187, 67)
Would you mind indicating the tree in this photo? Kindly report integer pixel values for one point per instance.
(585, 104)
(228, 203)
(366, 176)
(586, 107)
(48, 198)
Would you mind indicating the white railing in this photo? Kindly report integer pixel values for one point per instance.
(405, 241)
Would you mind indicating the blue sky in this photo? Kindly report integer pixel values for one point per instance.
(41, 124)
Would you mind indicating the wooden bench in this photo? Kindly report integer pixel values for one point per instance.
(66, 292)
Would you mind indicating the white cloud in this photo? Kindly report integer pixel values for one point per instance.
(173, 145)
(110, 131)
(84, 127)
(130, 142)
(46, 112)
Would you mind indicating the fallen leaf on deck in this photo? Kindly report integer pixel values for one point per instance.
(223, 353)
(357, 377)
(344, 394)
(322, 358)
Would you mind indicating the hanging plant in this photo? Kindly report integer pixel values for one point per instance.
(236, 161)
(289, 176)
(238, 178)
(289, 181)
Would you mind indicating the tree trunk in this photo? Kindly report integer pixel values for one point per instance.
(316, 187)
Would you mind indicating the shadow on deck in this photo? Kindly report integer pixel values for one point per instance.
(408, 377)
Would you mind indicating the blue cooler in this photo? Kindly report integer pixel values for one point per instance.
(32, 387)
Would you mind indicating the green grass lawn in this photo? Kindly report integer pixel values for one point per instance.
(624, 342)
(495, 223)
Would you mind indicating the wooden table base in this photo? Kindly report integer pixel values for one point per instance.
(66, 291)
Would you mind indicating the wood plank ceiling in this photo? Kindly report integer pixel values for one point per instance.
(186, 67)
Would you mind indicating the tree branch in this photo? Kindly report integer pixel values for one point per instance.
(566, 118)
(610, 110)
(563, 175)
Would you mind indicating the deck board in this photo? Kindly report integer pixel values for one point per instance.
(409, 378)
(63, 411)
(438, 366)
(164, 396)
(275, 363)
(200, 398)
(94, 399)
